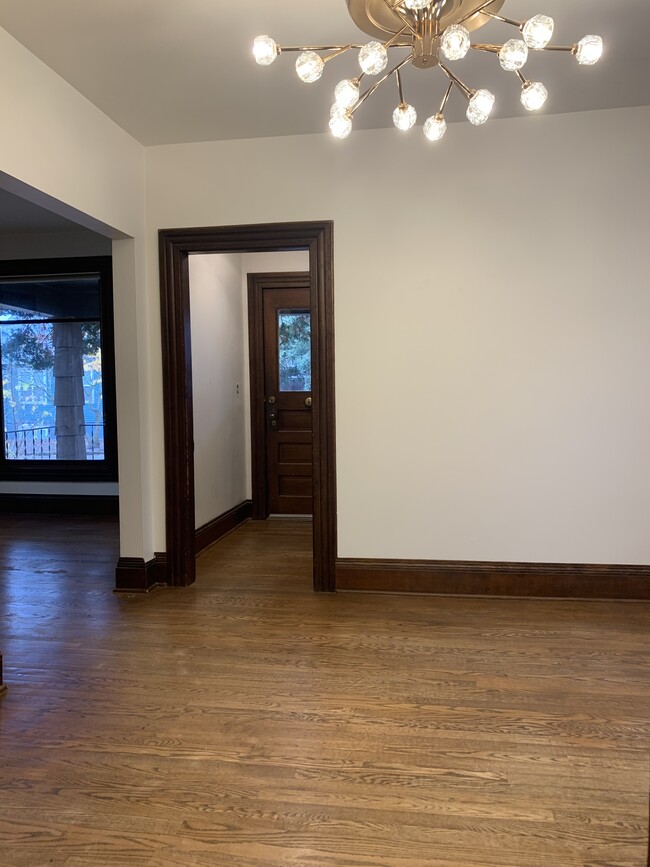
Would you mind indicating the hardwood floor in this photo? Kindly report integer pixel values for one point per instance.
(246, 721)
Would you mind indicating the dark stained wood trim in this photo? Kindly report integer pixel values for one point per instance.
(321, 265)
(160, 567)
(3, 685)
(178, 409)
(260, 509)
(257, 283)
(59, 504)
(470, 578)
(175, 245)
(135, 575)
(219, 527)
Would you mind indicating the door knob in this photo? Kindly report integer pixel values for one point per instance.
(271, 399)
(308, 401)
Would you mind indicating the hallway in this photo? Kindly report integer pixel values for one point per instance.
(246, 721)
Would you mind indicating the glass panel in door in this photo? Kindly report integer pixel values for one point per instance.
(294, 350)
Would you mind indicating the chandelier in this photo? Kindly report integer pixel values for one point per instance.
(432, 32)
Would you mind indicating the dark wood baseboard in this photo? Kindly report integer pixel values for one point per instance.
(214, 530)
(469, 578)
(135, 575)
(160, 567)
(78, 505)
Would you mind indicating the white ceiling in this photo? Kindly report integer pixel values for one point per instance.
(172, 71)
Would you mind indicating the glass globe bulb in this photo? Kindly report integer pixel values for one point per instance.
(533, 95)
(589, 50)
(309, 66)
(346, 93)
(435, 127)
(265, 50)
(417, 4)
(404, 116)
(373, 58)
(480, 106)
(513, 54)
(340, 122)
(537, 31)
(455, 42)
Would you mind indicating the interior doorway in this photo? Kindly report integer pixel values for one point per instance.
(176, 246)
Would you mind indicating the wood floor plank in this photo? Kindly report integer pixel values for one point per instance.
(247, 722)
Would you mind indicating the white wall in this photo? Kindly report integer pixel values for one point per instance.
(62, 151)
(261, 263)
(59, 151)
(491, 326)
(218, 374)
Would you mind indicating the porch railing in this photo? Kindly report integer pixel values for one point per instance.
(39, 443)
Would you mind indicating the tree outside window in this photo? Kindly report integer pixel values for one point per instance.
(294, 350)
(56, 391)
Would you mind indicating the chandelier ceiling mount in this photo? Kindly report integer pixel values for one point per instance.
(382, 20)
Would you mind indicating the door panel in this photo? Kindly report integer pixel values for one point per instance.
(287, 387)
(294, 420)
(294, 453)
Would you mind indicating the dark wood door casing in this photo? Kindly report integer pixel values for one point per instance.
(175, 246)
(265, 292)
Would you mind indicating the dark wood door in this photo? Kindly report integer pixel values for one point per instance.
(287, 400)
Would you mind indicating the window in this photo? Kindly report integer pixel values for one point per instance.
(56, 354)
(294, 350)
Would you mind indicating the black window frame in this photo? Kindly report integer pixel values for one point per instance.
(104, 470)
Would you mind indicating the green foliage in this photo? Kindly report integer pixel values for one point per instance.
(31, 345)
(91, 336)
(294, 334)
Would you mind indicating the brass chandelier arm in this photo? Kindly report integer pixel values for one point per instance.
(445, 98)
(455, 80)
(518, 24)
(402, 17)
(399, 86)
(393, 6)
(336, 53)
(571, 48)
(391, 41)
(338, 48)
(494, 49)
(475, 12)
(371, 90)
